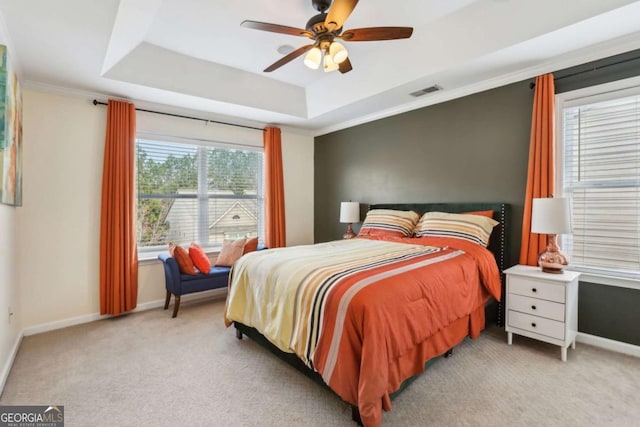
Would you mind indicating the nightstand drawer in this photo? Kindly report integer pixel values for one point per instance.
(536, 324)
(536, 289)
(536, 307)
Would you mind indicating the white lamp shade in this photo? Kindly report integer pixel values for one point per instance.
(313, 58)
(338, 52)
(551, 216)
(349, 212)
(329, 65)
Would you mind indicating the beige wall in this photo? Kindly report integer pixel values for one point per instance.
(58, 227)
(9, 327)
(297, 159)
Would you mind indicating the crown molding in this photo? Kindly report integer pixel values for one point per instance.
(160, 108)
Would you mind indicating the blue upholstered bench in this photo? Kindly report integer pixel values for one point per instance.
(179, 284)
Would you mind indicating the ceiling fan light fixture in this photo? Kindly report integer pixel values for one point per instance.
(329, 65)
(313, 58)
(322, 29)
(338, 52)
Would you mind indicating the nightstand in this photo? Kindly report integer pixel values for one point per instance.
(542, 306)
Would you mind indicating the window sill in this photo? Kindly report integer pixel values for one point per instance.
(603, 279)
(150, 257)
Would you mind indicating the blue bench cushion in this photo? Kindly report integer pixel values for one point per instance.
(214, 271)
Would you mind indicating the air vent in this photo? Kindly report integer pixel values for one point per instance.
(425, 91)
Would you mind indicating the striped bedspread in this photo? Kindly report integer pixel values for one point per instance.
(349, 308)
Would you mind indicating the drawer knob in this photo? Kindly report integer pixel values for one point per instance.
(533, 307)
(533, 324)
(534, 290)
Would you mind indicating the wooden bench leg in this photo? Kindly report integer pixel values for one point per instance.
(176, 306)
(167, 299)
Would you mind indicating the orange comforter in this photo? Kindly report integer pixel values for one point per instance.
(380, 324)
(371, 326)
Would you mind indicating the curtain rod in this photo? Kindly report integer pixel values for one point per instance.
(96, 102)
(596, 68)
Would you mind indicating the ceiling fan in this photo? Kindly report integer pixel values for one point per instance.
(323, 29)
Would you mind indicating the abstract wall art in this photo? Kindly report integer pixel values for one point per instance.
(10, 133)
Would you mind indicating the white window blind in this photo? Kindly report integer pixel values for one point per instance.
(196, 193)
(601, 175)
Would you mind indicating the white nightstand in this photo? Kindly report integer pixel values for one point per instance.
(542, 306)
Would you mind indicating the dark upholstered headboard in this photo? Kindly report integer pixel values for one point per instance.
(498, 243)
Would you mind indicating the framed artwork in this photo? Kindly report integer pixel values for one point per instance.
(10, 133)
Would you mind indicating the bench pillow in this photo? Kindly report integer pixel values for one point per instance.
(199, 258)
(230, 252)
(182, 258)
(250, 245)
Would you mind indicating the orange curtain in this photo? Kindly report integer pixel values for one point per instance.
(118, 250)
(275, 235)
(541, 175)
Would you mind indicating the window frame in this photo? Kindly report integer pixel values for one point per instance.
(591, 94)
(151, 252)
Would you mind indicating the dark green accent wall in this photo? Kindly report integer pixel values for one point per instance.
(609, 311)
(471, 149)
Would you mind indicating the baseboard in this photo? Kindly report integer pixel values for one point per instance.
(59, 324)
(6, 369)
(606, 343)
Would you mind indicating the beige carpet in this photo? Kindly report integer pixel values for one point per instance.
(146, 369)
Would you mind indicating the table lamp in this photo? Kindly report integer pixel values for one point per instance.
(551, 216)
(349, 213)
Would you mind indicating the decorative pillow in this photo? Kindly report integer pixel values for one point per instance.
(488, 214)
(475, 228)
(182, 258)
(250, 245)
(388, 222)
(230, 252)
(199, 258)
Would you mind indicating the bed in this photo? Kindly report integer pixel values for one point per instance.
(365, 316)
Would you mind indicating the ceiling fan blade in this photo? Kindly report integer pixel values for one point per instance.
(345, 66)
(338, 13)
(285, 59)
(275, 28)
(376, 33)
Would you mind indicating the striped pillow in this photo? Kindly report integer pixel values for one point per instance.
(387, 222)
(474, 228)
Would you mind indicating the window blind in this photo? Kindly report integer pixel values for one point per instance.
(601, 175)
(196, 193)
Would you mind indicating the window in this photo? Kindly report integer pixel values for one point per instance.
(196, 193)
(600, 173)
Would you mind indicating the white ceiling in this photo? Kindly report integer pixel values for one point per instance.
(193, 54)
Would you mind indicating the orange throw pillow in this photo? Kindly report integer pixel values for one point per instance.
(182, 258)
(230, 252)
(199, 258)
(251, 245)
